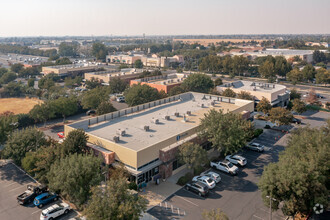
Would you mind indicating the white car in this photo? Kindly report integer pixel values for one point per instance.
(120, 99)
(206, 180)
(216, 177)
(54, 211)
(236, 159)
(224, 166)
(255, 147)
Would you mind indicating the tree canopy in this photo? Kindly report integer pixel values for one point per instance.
(105, 107)
(280, 116)
(139, 94)
(298, 106)
(192, 154)
(264, 105)
(93, 98)
(198, 82)
(117, 85)
(99, 50)
(228, 93)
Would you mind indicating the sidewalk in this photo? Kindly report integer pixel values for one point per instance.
(155, 194)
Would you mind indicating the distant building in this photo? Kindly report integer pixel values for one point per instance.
(106, 76)
(163, 82)
(275, 93)
(70, 70)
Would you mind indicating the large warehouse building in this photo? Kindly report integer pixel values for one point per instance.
(145, 138)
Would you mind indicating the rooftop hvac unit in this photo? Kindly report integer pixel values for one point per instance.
(177, 114)
(155, 120)
(121, 132)
(164, 83)
(167, 117)
(188, 112)
(146, 128)
(116, 139)
(202, 105)
(274, 86)
(212, 103)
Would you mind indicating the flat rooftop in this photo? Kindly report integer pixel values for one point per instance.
(170, 79)
(136, 138)
(253, 86)
(72, 66)
(279, 52)
(114, 72)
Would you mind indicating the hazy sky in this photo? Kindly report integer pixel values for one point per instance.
(163, 17)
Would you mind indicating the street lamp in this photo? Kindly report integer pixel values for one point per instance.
(270, 206)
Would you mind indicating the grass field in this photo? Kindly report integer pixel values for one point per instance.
(18, 105)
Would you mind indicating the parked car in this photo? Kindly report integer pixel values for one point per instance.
(120, 99)
(210, 183)
(319, 96)
(44, 199)
(237, 160)
(216, 177)
(224, 166)
(296, 120)
(255, 147)
(197, 187)
(60, 134)
(31, 192)
(91, 112)
(54, 211)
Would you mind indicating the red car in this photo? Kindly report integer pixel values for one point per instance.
(60, 134)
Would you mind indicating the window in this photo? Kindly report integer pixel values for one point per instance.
(176, 164)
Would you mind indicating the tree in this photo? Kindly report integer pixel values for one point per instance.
(311, 97)
(14, 89)
(299, 179)
(198, 82)
(63, 61)
(31, 82)
(115, 202)
(67, 50)
(295, 76)
(93, 83)
(267, 70)
(192, 154)
(8, 77)
(217, 82)
(7, 124)
(319, 56)
(75, 142)
(176, 90)
(29, 71)
(239, 64)
(105, 107)
(280, 115)
(245, 95)
(117, 85)
(214, 214)
(228, 93)
(17, 67)
(74, 175)
(3, 70)
(227, 132)
(139, 94)
(322, 76)
(22, 141)
(99, 51)
(294, 94)
(46, 83)
(138, 64)
(309, 72)
(42, 112)
(298, 106)
(264, 106)
(65, 106)
(94, 97)
(282, 67)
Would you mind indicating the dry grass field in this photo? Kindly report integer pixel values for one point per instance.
(18, 105)
(206, 42)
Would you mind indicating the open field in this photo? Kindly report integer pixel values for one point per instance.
(206, 42)
(18, 105)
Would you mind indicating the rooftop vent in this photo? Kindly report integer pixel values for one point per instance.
(121, 132)
(188, 112)
(177, 114)
(202, 105)
(204, 97)
(167, 117)
(116, 139)
(213, 103)
(185, 119)
(146, 128)
(155, 120)
(273, 85)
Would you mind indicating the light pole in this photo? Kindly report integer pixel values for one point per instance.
(270, 206)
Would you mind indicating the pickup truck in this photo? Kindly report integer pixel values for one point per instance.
(224, 166)
(31, 192)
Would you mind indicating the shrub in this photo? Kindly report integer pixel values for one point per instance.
(24, 120)
(185, 179)
(267, 127)
(198, 170)
(132, 185)
(258, 132)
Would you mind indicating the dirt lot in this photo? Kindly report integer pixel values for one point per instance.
(18, 105)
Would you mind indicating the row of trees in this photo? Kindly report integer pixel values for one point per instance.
(9, 48)
(307, 74)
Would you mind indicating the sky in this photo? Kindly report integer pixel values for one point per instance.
(162, 17)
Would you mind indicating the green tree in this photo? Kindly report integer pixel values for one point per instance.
(105, 107)
(63, 61)
(322, 76)
(94, 97)
(299, 179)
(309, 72)
(245, 95)
(294, 94)
(198, 82)
(214, 214)
(192, 154)
(75, 142)
(31, 82)
(99, 50)
(282, 67)
(65, 106)
(319, 56)
(139, 94)
(115, 202)
(8, 77)
(74, 175)
(93, 83)
(176, 90)
(42, 112)
(217, 82)
(228, 93)
(138, 64)
(3, 70)
(67, 50)
(227, 64)
(264, 105)
(14, 89)
(228, 132)
(239, 65)
(17, 67)
(267, 70)
(46, 83)
(298, 106)
(22, 141)
(7, 124)
(280, 115)
(117, 85)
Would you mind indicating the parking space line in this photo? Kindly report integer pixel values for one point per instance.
(35, 212)
(257, 217)
(16, 188)
(10, 184)
(187, 200)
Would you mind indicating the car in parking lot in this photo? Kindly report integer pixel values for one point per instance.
(255, 147)
(91, 112)
(237, 160)
(296, 120)
(210, 183)
(224, 166)
(44, 199)
(120, 99)
(216, 177)
(197, 187)
(54, 211)
(31, 192)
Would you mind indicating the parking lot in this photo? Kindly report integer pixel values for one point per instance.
(13, 182)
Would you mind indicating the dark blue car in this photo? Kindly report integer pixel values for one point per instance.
(44, 199)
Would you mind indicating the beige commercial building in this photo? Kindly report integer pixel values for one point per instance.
(106, 76)
(145, 138)
(69, 70)
(275, 93)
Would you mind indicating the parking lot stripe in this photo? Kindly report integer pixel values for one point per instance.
(10, 184)
(16, 188)
(257, 217)
(186, 200)
(35, 212)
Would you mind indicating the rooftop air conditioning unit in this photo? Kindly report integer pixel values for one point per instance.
(188, 112)
(202, 105)
(167, 117)
(146, 128)
(155, 120)
(121, 132)
(212, 103)
(116, 139)
(177, 114)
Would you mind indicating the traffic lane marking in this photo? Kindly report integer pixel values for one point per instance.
(186, 200)
(257, 217)
(39, 210)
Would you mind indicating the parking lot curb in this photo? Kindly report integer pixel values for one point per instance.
(12, 162)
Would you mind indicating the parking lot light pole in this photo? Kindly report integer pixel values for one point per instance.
(270, 206)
